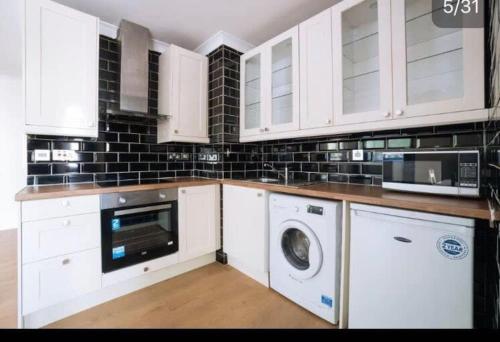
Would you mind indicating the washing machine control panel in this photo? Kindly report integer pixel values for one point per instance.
(311, 209)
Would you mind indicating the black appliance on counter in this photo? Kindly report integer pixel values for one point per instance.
(137, 227)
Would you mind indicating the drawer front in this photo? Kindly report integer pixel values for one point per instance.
(60, 207)
(58, 279)
(55, 237)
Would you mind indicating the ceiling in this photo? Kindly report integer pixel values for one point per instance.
(188, 23)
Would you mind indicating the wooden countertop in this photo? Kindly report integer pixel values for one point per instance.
(471, 208)
(31, 193)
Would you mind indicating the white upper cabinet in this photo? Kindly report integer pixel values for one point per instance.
(362, 68)
(252, 93)
(183, 96)
(61, 70)
(283, 107)
(436, 70)
(270, 87)
(363, 65)
(316, 75)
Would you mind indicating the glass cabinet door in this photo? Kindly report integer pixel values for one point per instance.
(251, 97)
(436, 70)
(284, 76)
(362, 61)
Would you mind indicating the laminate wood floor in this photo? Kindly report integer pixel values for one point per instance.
(8, 279)
(215, 296)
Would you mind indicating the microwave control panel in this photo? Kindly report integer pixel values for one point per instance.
(469, 170)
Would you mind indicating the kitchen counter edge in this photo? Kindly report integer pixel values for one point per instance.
(463, 207)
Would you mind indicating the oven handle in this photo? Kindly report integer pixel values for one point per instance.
(142, 210)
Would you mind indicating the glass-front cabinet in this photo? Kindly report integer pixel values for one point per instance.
(252, 94)
(436, 70)
(270, 77)
(362, 61)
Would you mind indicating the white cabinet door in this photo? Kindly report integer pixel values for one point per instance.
(61, 70)
(316, 74)
(199, 221)
(252, 93)
(246, 233)
(58, 279)
(190, 93)
(282, 76)
(362, 67)
(436, 70)
(183, 96)
(54, 237)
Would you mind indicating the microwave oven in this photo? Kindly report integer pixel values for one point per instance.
(454, 173)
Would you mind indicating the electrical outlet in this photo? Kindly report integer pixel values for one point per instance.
(64, 155)
(358, 155)
(213, 157)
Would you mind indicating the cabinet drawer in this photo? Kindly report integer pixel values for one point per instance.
(58, 279)
(60, 207)
(54, 237)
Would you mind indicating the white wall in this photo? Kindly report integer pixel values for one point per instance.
(12, 139)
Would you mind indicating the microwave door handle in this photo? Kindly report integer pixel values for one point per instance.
(142, 210)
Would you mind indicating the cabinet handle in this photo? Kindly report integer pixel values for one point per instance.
(176, 131)
(146, 269)
(122, 200)
(266, 129)
(400, 112)
(259, 195)
(328, 122)
(66, 262)
(183, 191)
(67, 223)
(387, 115)
(66, 204)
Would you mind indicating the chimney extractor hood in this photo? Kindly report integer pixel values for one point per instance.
(134, 80)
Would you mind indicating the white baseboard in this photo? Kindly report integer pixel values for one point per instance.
(57, 312)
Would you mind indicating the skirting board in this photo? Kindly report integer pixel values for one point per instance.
(260, 277)
(57, 312)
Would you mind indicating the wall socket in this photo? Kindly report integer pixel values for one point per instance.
(64, 155)
(358, 155)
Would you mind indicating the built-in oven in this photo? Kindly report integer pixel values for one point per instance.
(437, 172)
(138, 226)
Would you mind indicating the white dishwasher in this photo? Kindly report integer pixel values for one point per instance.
(410, 269)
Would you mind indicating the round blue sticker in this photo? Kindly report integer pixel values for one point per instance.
(452, 247)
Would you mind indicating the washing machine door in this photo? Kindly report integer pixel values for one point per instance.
(300, 250)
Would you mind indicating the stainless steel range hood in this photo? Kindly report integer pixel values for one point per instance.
(134, 82)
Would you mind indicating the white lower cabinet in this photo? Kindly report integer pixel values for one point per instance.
(61, 251)
(246, 231)
(50, 238)
(58, 279)
(199, 221)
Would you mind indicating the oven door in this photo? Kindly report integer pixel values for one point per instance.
(132, 235)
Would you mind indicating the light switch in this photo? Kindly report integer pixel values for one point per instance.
(41, 155)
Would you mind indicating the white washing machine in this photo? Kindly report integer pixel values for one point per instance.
(305, 243)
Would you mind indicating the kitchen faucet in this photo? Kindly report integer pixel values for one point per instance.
(280, 173)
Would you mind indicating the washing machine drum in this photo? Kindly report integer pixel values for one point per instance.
(300, 250)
